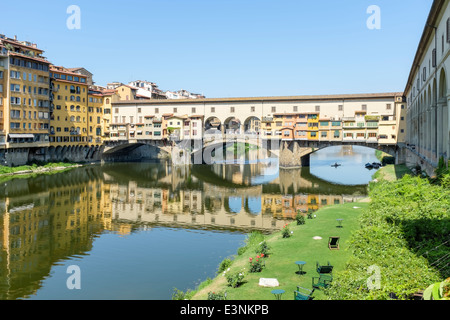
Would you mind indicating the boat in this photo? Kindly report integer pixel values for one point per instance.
(336, 165)
(373, 165)
(376, 165)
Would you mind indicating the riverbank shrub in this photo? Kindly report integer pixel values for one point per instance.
(253, 239)
(263, 249)
(286, 232)
(217, 296)
(300, 219)
(234, 280)
(257, 264)
(224, 265)
(404, 234)
(180, 295)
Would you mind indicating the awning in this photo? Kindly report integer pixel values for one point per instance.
(21, 136)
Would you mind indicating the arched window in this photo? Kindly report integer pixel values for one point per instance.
(107, 101)
(72, 89)
(78, 99)
(72, 118)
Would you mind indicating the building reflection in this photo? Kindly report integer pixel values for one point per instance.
(53, 217)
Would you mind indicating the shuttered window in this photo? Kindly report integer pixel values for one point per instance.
(448, 30)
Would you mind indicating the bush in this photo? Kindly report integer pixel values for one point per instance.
(263, 249)
(404, 232)
(300, 219)
(224, 265)
(286, 232)
(180, 295)
(234, 280)
(257, 265)
(217, 296)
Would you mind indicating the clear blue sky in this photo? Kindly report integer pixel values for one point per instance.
(230, 48)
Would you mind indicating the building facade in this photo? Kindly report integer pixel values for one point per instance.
(371, 118)
(427, 91)
(69, 117)
(25, 100)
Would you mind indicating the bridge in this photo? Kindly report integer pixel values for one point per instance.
(232, 147)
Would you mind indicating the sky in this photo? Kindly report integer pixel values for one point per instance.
(229, 48)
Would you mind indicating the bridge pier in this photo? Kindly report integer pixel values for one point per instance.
(292, 155)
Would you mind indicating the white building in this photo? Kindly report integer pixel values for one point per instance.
(427, 90)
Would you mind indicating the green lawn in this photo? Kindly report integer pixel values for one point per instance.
(34, 167)
(392, 172)
(285, 251)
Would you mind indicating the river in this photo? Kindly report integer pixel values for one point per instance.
(139, 230)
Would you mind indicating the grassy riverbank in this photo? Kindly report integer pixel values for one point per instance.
(400, 232)
(283, 253)
(27, 170)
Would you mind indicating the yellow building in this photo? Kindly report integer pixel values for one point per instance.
(69, 122)
(24, 99)
(313, 126)
(95, 117)
(108, 96)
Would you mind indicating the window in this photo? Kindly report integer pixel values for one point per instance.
(274, 109)
(434, 58)
(317, 108)
(15, 114)
(295, 108)
(193, 110)
(232, 109)
(388, 106)
(156, 110)
(213, 109)
(364, 107)
(175, 110)
(448, 30)
(252, 109)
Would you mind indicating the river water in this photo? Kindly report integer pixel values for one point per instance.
(139, 230)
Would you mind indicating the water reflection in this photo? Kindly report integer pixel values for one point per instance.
(51, 218)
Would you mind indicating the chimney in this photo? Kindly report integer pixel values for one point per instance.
(15, 38)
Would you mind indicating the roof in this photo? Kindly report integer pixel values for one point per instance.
(11, 53)
(20, 44)
(54, 68)
(335, 97)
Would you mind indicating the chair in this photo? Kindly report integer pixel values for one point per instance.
(303, 294)
(333, 243)
(325, 269)
(322, 282)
